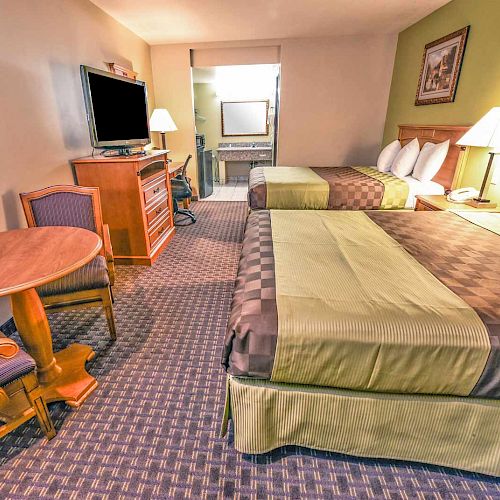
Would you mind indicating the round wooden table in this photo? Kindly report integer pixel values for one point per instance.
(33, 257)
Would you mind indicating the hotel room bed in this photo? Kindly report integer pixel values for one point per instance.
(353, 188)
(370, 333)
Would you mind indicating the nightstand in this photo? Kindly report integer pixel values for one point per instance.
(438, 202)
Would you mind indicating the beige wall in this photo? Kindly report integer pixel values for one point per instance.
(334, 96)
(224, 56)
(174, 91)
(43, 125)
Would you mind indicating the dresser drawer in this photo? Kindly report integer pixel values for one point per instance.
(158, 209)
(155, 189)
(159, 228)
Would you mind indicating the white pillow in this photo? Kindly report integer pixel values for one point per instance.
(387, 155)
(430, 159)
(405, 160)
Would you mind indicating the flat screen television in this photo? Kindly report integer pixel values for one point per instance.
(117, 109)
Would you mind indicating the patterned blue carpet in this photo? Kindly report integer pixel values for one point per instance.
(150, 430)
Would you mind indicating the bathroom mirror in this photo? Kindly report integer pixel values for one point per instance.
(244, 118)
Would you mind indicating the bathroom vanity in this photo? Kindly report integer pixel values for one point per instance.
(252, 153)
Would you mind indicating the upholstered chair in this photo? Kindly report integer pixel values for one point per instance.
(90, 285)
(20, 394)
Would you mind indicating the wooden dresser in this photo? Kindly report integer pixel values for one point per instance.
(136, 202)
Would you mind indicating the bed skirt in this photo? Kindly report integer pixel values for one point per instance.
(451, 431)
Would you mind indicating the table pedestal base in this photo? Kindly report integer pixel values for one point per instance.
(73, 385)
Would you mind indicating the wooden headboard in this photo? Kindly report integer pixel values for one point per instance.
(438, 133)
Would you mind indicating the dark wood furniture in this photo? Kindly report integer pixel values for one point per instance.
(450, 171)
(136, 202)
(438, 202)
(58, 200)
(33, 257)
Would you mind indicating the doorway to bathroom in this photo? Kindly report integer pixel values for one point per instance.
(236, 112)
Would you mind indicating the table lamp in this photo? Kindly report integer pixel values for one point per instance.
(162, 122)
(484, 134)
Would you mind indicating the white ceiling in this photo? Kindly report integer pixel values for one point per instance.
(189, 21)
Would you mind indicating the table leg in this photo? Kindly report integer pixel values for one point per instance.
(33, 327)
(62, 376)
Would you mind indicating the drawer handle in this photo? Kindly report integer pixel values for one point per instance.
(262, 155)
(160, 231)
(157, 190)
(158, 210)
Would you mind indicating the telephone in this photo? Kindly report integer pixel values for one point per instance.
(462, 195)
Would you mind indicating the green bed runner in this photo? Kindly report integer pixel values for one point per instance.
(355, 310)
(296, 187)
(396, 190)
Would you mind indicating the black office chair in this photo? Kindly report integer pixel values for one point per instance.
(181, 189)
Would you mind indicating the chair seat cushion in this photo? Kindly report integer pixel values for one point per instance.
(91, 276)
(13, 368)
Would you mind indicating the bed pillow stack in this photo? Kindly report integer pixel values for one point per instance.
(405, 160)
(430, 159)
(387, 155)
(422, 164)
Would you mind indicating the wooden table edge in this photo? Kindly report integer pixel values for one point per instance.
(54, 276)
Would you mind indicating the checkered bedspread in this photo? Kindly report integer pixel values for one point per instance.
(463, 256)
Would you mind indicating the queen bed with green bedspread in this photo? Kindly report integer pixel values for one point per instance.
(370, 333)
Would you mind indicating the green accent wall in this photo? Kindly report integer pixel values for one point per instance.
(478, 86)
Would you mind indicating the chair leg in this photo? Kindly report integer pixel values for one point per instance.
(36, 400)
(107, 304)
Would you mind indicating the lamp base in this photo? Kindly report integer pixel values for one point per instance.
(480, 203)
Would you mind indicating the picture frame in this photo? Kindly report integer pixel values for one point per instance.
(440, 70)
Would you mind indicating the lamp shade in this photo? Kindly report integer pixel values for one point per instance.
(485, 133)
(161, 121)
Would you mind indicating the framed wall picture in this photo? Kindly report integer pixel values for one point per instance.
(441, 68)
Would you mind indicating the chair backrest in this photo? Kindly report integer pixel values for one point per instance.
(184, 167)
(74, 206)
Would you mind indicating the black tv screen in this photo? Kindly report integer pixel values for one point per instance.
(117, 109)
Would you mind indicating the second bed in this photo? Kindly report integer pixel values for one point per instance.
(354, 188)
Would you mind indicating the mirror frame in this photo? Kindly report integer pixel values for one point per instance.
(244, 135)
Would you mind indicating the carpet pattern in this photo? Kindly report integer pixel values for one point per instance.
(150, 430)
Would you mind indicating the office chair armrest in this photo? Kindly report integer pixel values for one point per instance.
(108, 253)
